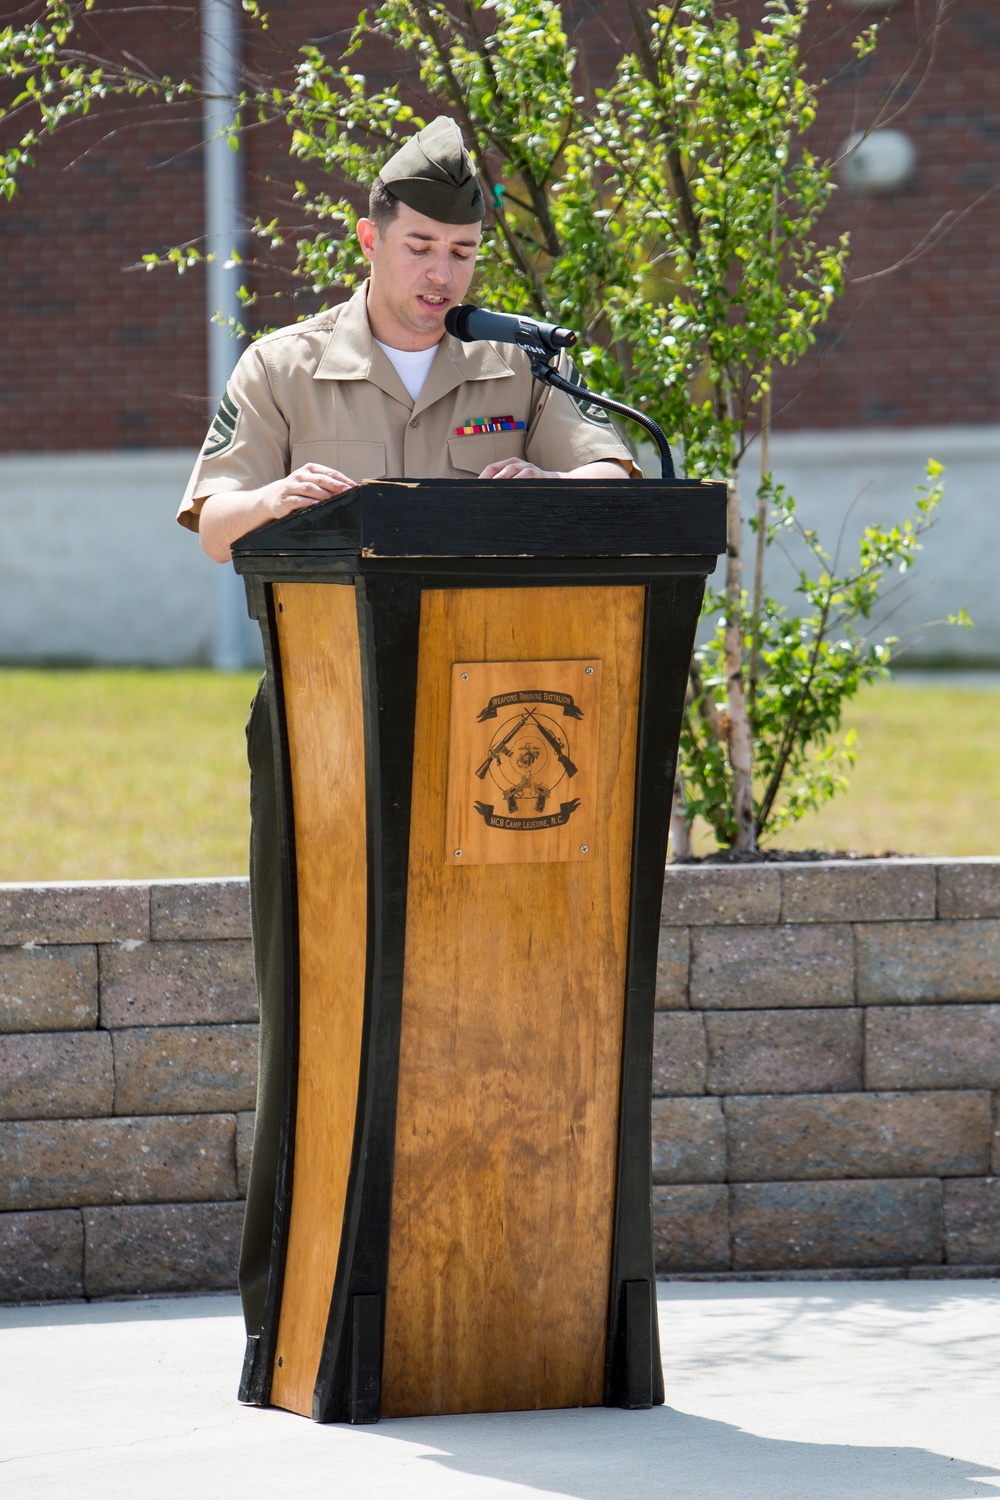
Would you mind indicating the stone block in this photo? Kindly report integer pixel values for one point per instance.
(857, 1135)
(164, 984)
(168, 1070)
(928, 961)
(72, 1163)
(711, 895)
(968, 888)
(48, 988)
(678, 1053)
(199, 909)
(784, 1051)
(673, 959)
(932, 1047)
(807, 964)
(972, 1221)
(41, 1256)
(161, 1247)
(864, 890)
(244, 1150)
(691, 1228)
(74, 912)
(799, 1226)
(55, 1075)
(689, 1141)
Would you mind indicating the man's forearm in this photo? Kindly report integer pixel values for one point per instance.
(603, 468)
(230, 514)
(227, 516)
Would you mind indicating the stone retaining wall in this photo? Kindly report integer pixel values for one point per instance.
(827, 1068)
(127, 1075)
(826, 1077)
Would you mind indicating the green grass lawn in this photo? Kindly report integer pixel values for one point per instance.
(927, 779)
(135, 774)
(122, 774)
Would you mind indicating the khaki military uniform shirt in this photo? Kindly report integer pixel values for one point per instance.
(322, 391)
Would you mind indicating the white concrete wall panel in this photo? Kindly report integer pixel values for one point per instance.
(844, 481)
(93, 566)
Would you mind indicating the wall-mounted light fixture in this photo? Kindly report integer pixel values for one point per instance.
(878, 164)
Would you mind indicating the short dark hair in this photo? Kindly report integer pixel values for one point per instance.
(383, 205)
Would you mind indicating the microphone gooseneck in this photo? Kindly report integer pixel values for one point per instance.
(541, 341)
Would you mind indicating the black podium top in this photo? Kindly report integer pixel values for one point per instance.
(396, 522)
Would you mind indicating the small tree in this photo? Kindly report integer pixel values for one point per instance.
(673, 219)
(803, 669)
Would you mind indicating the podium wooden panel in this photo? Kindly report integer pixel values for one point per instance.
(510, 1053)
(326, 754)
(463, 1215)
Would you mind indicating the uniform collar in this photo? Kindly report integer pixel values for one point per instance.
(352, 354)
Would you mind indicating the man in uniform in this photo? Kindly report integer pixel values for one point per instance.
(372, 388)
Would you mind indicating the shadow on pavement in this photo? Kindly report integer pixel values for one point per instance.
(666, 1455)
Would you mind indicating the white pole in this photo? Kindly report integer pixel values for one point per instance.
(233, 638)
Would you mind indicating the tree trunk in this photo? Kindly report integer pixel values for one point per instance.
(680, 829)
(740, 745)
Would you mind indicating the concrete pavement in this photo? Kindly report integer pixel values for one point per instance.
(776, 1391)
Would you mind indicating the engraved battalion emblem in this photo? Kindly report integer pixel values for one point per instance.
(527, 759)
(522, 764)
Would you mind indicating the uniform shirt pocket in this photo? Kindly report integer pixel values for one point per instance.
(355, 459)
(471, 454)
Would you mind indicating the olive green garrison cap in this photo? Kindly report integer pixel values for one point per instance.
(433, 173)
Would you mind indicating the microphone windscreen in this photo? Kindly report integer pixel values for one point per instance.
(456, 321)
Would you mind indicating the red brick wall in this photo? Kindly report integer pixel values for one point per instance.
(97, 356)
(920, 345)
(94, 355)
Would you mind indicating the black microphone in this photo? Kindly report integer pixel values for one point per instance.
(470, 323)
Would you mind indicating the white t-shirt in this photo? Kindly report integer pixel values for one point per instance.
(411, 365)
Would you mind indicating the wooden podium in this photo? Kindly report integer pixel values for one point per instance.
(476, 698)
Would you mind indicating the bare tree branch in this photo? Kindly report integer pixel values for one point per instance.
(931, 239)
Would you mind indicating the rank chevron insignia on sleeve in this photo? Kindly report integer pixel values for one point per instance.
(223, 430)
(589, 410)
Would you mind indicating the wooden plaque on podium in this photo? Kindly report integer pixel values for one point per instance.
(476, 700)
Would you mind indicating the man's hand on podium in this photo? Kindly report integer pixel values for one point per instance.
(520, 468)
(306, 486)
